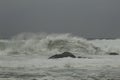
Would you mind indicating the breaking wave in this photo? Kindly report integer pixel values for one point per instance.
(47, 44)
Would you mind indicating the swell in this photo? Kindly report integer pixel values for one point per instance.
(47, 44)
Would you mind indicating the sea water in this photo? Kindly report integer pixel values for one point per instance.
(25, 57)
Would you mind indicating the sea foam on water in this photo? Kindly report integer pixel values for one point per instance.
(44, 44)
(25, 57)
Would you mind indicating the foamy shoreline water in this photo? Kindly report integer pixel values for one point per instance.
(27, 68)
(26, 58)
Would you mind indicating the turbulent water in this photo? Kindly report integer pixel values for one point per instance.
(25, 57)
(47, 45)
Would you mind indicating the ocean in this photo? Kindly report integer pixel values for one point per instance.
(25, 57)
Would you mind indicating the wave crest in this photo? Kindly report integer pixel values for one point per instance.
(47, 44)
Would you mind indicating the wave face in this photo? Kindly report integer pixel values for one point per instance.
(46, 44)
(107, 45)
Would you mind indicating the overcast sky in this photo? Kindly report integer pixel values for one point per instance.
(87, 18)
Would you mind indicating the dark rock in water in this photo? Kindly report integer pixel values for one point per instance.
(113, 53)
(81, 57)
(84, 57)
(65, 54)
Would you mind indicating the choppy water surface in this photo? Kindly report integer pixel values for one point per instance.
(26, 58)
(60, 74)
(31, 68)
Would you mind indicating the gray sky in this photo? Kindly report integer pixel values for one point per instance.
(87, 18)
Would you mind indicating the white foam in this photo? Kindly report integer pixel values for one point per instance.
(21, 59)
(107, 45)
(48, 45)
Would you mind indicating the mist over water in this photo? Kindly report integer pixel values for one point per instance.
(46, 44)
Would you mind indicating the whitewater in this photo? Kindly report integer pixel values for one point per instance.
(25, 57)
